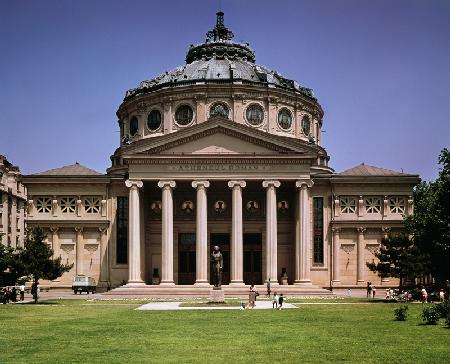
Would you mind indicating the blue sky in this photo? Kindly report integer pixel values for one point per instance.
(380, 69)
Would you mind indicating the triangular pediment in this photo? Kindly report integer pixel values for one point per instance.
(218, 137)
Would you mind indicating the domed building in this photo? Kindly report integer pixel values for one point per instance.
(219, 152)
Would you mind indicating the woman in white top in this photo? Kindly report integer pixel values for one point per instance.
(275, 300)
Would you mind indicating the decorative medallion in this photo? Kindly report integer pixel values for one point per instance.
(252, 206)
(283, 206)
(220, 206)
(187, 207)
(156, 207)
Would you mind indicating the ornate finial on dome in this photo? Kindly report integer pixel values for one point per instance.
(220, 31)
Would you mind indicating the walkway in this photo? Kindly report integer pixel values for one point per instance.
(167, 306)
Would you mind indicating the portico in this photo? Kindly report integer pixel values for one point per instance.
(235, 225)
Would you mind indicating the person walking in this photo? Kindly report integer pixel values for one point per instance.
(251, 297)
(374, 291)
(441, 295)
(424, 295)
(22, 292)
(280, 301)
(275, 300)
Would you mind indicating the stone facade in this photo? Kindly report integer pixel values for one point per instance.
(223, 152)
(13, 199)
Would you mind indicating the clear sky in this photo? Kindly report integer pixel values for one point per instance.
(380, 69)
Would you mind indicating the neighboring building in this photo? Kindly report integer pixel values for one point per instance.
(223, 152)
(13, 199)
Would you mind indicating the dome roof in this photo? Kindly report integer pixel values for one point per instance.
(219, 60)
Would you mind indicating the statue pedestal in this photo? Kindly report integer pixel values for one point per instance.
(216, 296)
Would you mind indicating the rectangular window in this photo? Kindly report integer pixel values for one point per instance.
(122, 230)
(318, 229)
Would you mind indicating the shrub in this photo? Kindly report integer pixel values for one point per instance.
(447, 320)
(400, 313)
(443, 309)
(430, 314)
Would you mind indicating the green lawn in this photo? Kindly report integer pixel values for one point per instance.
(70, 331)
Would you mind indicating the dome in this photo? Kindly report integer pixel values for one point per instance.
(219, 60)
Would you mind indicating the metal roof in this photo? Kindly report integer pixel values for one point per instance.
(71, 170)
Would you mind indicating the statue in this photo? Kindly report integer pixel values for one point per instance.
(217, 262)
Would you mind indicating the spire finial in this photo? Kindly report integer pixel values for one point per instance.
(220, 31)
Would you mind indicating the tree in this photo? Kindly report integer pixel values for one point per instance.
(430, 223)
(6, 259)
(399, 257)
(35, 260)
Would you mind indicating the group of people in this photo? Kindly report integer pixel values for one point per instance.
(371, 290)
(8, 295)
(277, 300)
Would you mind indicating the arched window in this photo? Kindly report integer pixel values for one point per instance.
(134, 125)
(285, 119)
(154, 120)
(306, 125)
(184, 115)
(254, 114)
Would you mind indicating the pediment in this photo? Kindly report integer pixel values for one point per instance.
(218, 137)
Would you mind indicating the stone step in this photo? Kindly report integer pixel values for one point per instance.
(155, 291)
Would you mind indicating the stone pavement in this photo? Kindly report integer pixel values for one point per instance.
(164, 306)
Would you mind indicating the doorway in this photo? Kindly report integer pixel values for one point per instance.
(252, 258)
(223, 241)
(186, 258)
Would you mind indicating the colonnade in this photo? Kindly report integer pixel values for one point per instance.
(302, 244)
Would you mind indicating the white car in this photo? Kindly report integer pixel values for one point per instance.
(83, 284)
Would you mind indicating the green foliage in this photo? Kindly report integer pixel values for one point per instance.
(6, 257)
(447, 320)
(36, 259)
(430, 223)
(400, 313)
(430, 314)
(443, 309)
(398, 257)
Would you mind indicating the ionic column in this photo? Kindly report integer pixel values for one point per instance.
(14, 222)
(79, 251)
(237, 251)
(336, 255)
(201, 235)
(303, 243)
(386, 230)
(55, 246)
(360, 256)
(271, 225)
(134, 233)
(104, 263)
(167, 232)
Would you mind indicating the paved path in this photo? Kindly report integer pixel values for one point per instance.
(165, 306)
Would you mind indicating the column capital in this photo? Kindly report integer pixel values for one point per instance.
(134, 183)
(167, 184)
(308, 183)
(361, 230)
(197, 184)
(54, 229)
(232, 184)
(267, 184)
(78, 229)
(103, 229)
(336, 230)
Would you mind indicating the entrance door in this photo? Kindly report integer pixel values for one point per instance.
(186, 258)
(223, 241)
(252, 258)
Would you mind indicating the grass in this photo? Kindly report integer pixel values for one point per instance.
(68, 331)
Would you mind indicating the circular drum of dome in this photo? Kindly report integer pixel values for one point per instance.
(306, 125)
(184, 115)
(134, 125)
(254, 114)
(285, 119)
(154, 120)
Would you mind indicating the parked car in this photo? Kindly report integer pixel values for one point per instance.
(83, 284)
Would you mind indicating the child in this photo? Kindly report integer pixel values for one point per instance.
(280, 301)
(275, 300)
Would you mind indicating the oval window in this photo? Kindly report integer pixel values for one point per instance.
(285, 119)
(255, 114)
(154, 120)
(184, 115)
(306, 125)
(134, 125)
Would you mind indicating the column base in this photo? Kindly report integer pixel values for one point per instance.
(135, 284)
(202, 284)
(336, 281)
(360, 281)
(237, 284)
(167, 283)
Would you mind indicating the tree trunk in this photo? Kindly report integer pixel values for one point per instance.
(401, 283)
(35, 295)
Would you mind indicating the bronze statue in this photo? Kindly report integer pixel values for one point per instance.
(217, 262)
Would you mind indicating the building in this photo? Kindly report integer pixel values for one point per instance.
(219, 151)
(13, 198)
